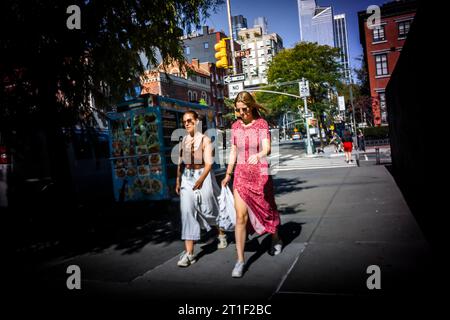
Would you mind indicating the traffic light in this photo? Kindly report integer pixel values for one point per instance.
(221, 54)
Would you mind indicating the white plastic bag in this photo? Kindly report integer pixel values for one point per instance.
(227, 213)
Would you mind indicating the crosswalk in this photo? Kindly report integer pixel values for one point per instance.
(291, 162)
(298, 161)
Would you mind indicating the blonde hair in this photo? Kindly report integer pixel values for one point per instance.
(246, 98)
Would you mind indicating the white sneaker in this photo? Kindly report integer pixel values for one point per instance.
(186, 260)
(238, 270)
(222, 241)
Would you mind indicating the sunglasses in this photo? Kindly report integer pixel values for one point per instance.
(188, 121)
(245, 110)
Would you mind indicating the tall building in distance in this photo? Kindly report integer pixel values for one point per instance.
(382, 45)
(316, 23)
(306, 10)
(261, 22)
(319, 25)
(238, 23)
(341, 42)
(322, 26)
(262, 48)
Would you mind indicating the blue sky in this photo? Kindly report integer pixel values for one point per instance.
(282, 16)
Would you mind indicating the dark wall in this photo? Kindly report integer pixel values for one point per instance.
(416, 105)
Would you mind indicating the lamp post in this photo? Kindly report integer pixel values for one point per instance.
(233, 58)
(304, 93)
(353, 112)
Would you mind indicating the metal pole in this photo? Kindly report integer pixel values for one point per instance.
(233, 58)
(353, 112)
(308, 137)
(305, 104)
(276, 92)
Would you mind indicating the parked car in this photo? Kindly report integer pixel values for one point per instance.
(296, 136)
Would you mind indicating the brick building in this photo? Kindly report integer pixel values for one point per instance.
(201, 82)
(382, 46)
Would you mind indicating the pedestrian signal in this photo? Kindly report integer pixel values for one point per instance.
(221, 54)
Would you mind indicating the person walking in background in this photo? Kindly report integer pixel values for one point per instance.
(336, 141)
(348, 146)
(253, 187)
(198, 204)
(361, 141)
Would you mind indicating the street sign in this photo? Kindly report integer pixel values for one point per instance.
(304, 88)
(341, 102)
(234, 78)
(234, 89)
(313, 131)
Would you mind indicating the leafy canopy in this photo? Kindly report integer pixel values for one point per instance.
(51, 72)
(318, 64)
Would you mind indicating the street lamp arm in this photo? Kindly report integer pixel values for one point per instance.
(275, 92)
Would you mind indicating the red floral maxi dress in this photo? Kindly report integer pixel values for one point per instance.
(252, 182)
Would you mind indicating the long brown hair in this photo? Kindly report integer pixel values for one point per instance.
(194, 114)
(246, 98)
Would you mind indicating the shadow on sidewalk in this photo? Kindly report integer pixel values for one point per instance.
(294, 209)
(67, 233)
(285, 185)
(287, 232)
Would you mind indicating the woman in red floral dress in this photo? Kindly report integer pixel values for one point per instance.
(253, 187)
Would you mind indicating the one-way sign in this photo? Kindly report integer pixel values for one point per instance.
(234, 78)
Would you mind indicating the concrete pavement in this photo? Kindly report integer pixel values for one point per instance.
(336, 223)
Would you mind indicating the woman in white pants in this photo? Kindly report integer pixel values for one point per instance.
(198, 204)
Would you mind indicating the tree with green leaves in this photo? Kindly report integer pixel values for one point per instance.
(51, 74)
(51, 69)
(318, 64)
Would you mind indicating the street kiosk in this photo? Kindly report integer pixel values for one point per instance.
(143, 138)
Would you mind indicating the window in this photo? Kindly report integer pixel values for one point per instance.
(194, 96)
(203, 80)
(378, 34)
(381, 64)
(206, 45)
(187, 50)
(193, 77)
(190, 95)
(403, 28)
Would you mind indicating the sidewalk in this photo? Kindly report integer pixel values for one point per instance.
(336, 223)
